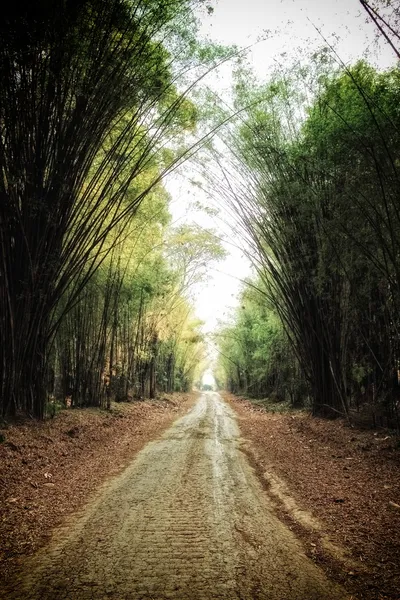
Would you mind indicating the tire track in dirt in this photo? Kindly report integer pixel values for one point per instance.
(187, 519)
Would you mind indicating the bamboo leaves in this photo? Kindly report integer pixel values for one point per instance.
(87, 98)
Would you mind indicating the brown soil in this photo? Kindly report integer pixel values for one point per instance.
(49, 469)
(337, 486)
(187, 519)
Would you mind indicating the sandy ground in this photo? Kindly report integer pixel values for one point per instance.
(187, 519)
(50, 469)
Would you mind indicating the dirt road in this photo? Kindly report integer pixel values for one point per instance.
(187, 519)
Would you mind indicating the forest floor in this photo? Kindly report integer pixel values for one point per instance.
(49, 469)
(337, 487)
(230, 504)
(187, 519)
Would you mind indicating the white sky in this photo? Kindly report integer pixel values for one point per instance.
(291, 26)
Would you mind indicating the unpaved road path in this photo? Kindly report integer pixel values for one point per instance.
(186, 520)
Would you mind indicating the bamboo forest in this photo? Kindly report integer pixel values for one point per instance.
(199, 299)
(95, 277)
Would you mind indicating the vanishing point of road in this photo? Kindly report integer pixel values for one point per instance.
(186, 520)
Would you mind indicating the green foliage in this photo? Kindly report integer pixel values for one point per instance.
(191, 249)
(319, 205)
(92, 114)
(254, 351)
(132, 333)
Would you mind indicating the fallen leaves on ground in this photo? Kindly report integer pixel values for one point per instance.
(348, 479)
(49, 469)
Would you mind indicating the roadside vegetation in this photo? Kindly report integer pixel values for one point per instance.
(97, 105)
(314, 185)
(100, 100)
(95, 280)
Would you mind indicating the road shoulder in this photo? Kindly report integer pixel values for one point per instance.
(335, 488)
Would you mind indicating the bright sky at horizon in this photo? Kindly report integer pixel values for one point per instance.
(293, 29)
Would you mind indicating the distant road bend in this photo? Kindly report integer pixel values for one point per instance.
(188, 520)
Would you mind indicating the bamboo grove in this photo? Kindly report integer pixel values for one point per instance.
(133, 332)
(91, 119)
(95, 282)
(314, 185)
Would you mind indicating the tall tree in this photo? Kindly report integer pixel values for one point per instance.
(315, 190)
(86, 92)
